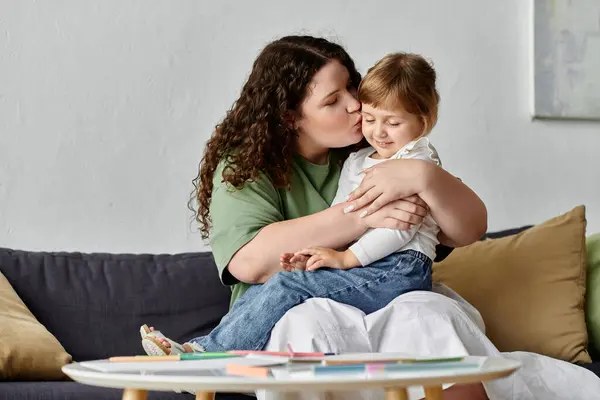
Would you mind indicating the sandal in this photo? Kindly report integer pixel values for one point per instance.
(154, 347)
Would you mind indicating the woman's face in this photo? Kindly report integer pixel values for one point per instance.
(330, 114)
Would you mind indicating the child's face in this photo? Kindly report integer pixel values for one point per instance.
(389, 130)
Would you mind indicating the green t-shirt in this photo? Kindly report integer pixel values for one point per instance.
(238, 215)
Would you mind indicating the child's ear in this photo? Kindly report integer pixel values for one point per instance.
(425, 125)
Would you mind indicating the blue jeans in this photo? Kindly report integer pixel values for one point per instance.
(248, 324)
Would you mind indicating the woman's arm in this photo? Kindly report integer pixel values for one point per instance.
(249, 232)
(258, 260)
(459, 212)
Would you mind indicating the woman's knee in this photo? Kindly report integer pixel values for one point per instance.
(439, 303)
(320, 325)
(313, 315)
(303, 325)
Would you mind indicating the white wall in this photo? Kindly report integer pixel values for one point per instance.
(105, 107)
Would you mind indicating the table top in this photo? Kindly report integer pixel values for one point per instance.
(491, 368)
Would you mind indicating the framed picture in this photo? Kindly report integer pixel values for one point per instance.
(566, 59)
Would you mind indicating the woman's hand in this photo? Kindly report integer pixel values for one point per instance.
(400, 214)
(458, 211)
(388, 181)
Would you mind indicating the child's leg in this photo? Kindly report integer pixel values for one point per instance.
(156, 344)
(248, 324)
(396, 274)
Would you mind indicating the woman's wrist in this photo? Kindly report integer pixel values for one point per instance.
(359, 223)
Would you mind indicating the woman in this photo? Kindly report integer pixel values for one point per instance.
(271, 169)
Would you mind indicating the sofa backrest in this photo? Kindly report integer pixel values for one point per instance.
(95, 303)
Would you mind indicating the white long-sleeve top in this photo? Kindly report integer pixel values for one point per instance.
(376, 244)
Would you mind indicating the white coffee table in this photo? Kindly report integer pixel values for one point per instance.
(136, 385)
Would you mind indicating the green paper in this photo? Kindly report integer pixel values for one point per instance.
(205, 356)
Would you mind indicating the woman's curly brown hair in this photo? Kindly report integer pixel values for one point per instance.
(255, 135)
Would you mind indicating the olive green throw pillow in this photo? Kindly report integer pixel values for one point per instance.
(592, 310)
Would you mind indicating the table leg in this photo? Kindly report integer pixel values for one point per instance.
(205, 396)
(134, 394)
(396, 394)
(433, 393)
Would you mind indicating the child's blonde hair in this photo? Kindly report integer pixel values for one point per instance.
(402, 81)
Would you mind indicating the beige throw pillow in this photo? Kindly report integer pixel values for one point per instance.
(27, 350)
(529, 288)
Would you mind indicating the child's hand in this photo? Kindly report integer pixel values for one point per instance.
(322, 257)
(291, 262)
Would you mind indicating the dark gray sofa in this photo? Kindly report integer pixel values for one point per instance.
(95, 303)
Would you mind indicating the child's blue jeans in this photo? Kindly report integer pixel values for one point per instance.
(248, 324)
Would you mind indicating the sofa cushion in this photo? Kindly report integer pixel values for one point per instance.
(529, 287)
(77, 391)
(95, 303)
(27, 350)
